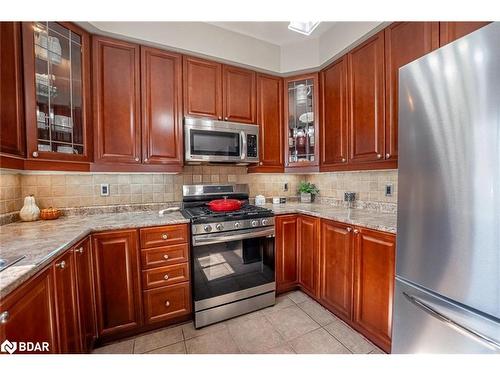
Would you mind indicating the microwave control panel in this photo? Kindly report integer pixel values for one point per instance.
(252, 146)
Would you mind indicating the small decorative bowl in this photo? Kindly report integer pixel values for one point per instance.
(50, 213)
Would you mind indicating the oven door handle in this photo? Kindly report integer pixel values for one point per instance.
(207, 239)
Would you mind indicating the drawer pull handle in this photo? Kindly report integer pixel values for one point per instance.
(61, 265)
(79, 250)
(349, 229)
(166, 276)
(164, 236)
(165, 256)
(356, 231)
(167, 303)
(4, 317)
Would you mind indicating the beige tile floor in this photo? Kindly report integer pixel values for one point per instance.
(295, 325)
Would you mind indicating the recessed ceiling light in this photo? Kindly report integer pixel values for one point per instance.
(305, 28)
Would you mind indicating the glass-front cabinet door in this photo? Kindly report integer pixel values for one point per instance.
(301, 98)
(57, 100)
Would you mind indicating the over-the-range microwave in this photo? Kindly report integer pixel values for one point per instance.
(212, 141)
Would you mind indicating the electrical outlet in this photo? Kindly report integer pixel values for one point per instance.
(104, 190)
(388, 190)
(285, 186)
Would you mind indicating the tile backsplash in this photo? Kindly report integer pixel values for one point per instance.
(83, 189)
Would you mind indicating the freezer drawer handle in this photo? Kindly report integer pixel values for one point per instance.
(469, 331)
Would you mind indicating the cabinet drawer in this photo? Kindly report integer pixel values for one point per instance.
(166, 303)
(167, 275)
(163, 256)
(162, 236)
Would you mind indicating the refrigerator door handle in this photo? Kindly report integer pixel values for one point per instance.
(453, 324)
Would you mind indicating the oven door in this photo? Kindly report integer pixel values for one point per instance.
(232, 266)
(211, 141)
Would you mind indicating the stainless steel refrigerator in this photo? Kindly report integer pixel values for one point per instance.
(447, 296)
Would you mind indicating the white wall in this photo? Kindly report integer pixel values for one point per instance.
(200, 38)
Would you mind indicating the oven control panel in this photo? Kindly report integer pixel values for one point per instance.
(232, 225)
(252, 146)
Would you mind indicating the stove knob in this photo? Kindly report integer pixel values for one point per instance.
(237, 225)
(255, 223)
(219, 226)
(207, 228)
(265, 221)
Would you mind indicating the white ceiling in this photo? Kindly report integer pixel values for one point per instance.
(273, 32)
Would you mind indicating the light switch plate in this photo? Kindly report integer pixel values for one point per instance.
(104, 190)
(389, 188)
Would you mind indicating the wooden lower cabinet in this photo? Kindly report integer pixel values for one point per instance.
(286, 227)
(374, 272)
(309, 253)
(348, 269)
(68, 322)
(28, 313)
(86, 298)
(167, 302)
(117, 282)
(336, 268)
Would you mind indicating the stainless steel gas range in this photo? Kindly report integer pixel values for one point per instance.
(232, 254)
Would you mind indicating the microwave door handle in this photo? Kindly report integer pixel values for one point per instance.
(243, 145)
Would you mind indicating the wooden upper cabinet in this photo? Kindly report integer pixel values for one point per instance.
(117, 105)
(239, 90)
(287, 255)
(117, 281)
(56, 58)
(161, 89)
(28, 313)
(366, 100)
(336, 268)
(12, 136)
(301, 102)
(309, 253)
(67, 306)
(270, 121)
(86, 298)
(404, 43)
(451, 31)
(202, 88)
(374, 285)
(333, 127)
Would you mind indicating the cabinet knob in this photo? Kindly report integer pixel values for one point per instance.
(145, 160)
(164, 236)
(35, 154)
(79, 250)
(344, 160)
(220, 117)
(165, 277)
(226, 118)
(165, 256)
(379, 156)
(167, 303)
(61, 265)
(260, 163)
(4, 317)
(356, 231)
(136, 159)
(387, 156)
(349, 229)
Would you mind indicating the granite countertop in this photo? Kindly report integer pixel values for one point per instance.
(42, 241)
(382, 221)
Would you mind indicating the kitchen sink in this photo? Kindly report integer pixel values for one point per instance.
(7, 262)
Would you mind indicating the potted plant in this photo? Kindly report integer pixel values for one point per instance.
(307, 191)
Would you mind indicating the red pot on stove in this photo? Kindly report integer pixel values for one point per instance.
(225, 204)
